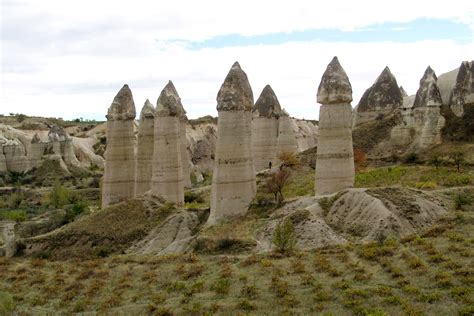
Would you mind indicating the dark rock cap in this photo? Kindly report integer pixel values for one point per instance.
(463, 91)
(148, 110)
(123, 106)
(428, 94)
(57, 133)
(267, 104)
(335, 86)
(235, 93)
(169, 102)
(384, 94)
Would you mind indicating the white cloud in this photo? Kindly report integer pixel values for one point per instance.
(69, 58)
(73, 86)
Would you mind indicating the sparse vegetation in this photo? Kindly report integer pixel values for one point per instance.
(284, 237)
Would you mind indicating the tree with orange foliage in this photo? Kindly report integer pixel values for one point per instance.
(288, 159)
(360, 159)
(276, 182)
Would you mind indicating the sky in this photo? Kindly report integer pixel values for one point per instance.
(69, 58)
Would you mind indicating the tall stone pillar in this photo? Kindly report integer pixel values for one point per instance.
(265, 128)
(286, 135)
(428, 104)
(463, 90)
(335, 155)
(145, 144)
(8, 239)
(167, 180)
(183, 120)
(35, 153)
(233, 180)
(119, 174)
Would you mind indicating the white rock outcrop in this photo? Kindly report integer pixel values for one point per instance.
(233, 180)
(265, 128)
(463, 90)
(335, 155)
(167, 180)
(145, 144)
(119, 173)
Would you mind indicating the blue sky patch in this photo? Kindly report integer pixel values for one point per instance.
(417, 30)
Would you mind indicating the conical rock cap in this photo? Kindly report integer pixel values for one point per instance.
(123, 106)
(335, 86)
(235, 93)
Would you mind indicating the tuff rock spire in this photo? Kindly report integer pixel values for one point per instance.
(233, 180)
(145, 142)
(335, 86)
(335, 156)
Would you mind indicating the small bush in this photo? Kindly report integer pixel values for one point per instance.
(59, 195)
(7, 304)
(454, 180)
(284, 237)
(461, 200)
(221, 286)
(15, 215)
(411, 158)
(190, 197)
(288, 159)
(426, 185)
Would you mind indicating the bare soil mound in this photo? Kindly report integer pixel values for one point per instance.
(112, 230)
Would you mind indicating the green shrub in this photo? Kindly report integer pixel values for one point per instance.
(411, 158)
(7, 304)
(284, 237)
(59, 195)
(15, 199)
(461, 200)
(77, 209)
(457, 180)
(190, 197)
(221, 286)
(14, 215)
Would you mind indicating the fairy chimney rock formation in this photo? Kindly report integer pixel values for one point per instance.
(167, 180)
(383, 97)
(286, 141)
(145, 143)
(36, 151)
(265, 128)
(185, 160)
(463, 91)
(403, 92)
(233, 180)
(119, 172)
(426, 107)
(335, 156)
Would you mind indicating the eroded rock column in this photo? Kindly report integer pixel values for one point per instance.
(286, 135)
(167, 180)
(7, 239)
(463, 91)
(233, 180)
(335, 156)
(119, 174)
(36, 151)
(183, 121)
(427, 106)
(265, 128)
(145, 144)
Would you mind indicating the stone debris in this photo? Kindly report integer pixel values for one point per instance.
(335, 156)
(233, 181)
(119, 171)
(145, 143)
(382, 98)
(265, 120)
(167, 180)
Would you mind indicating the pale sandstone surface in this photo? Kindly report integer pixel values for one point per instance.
(335, 157)
(446, 83)
(119, 172)
(171, 236)
(145, 144)
(233, 181)
(183, 146)
(382, 98)
(167, 179)
(265, 128)
(7, 239)
(360, 213)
